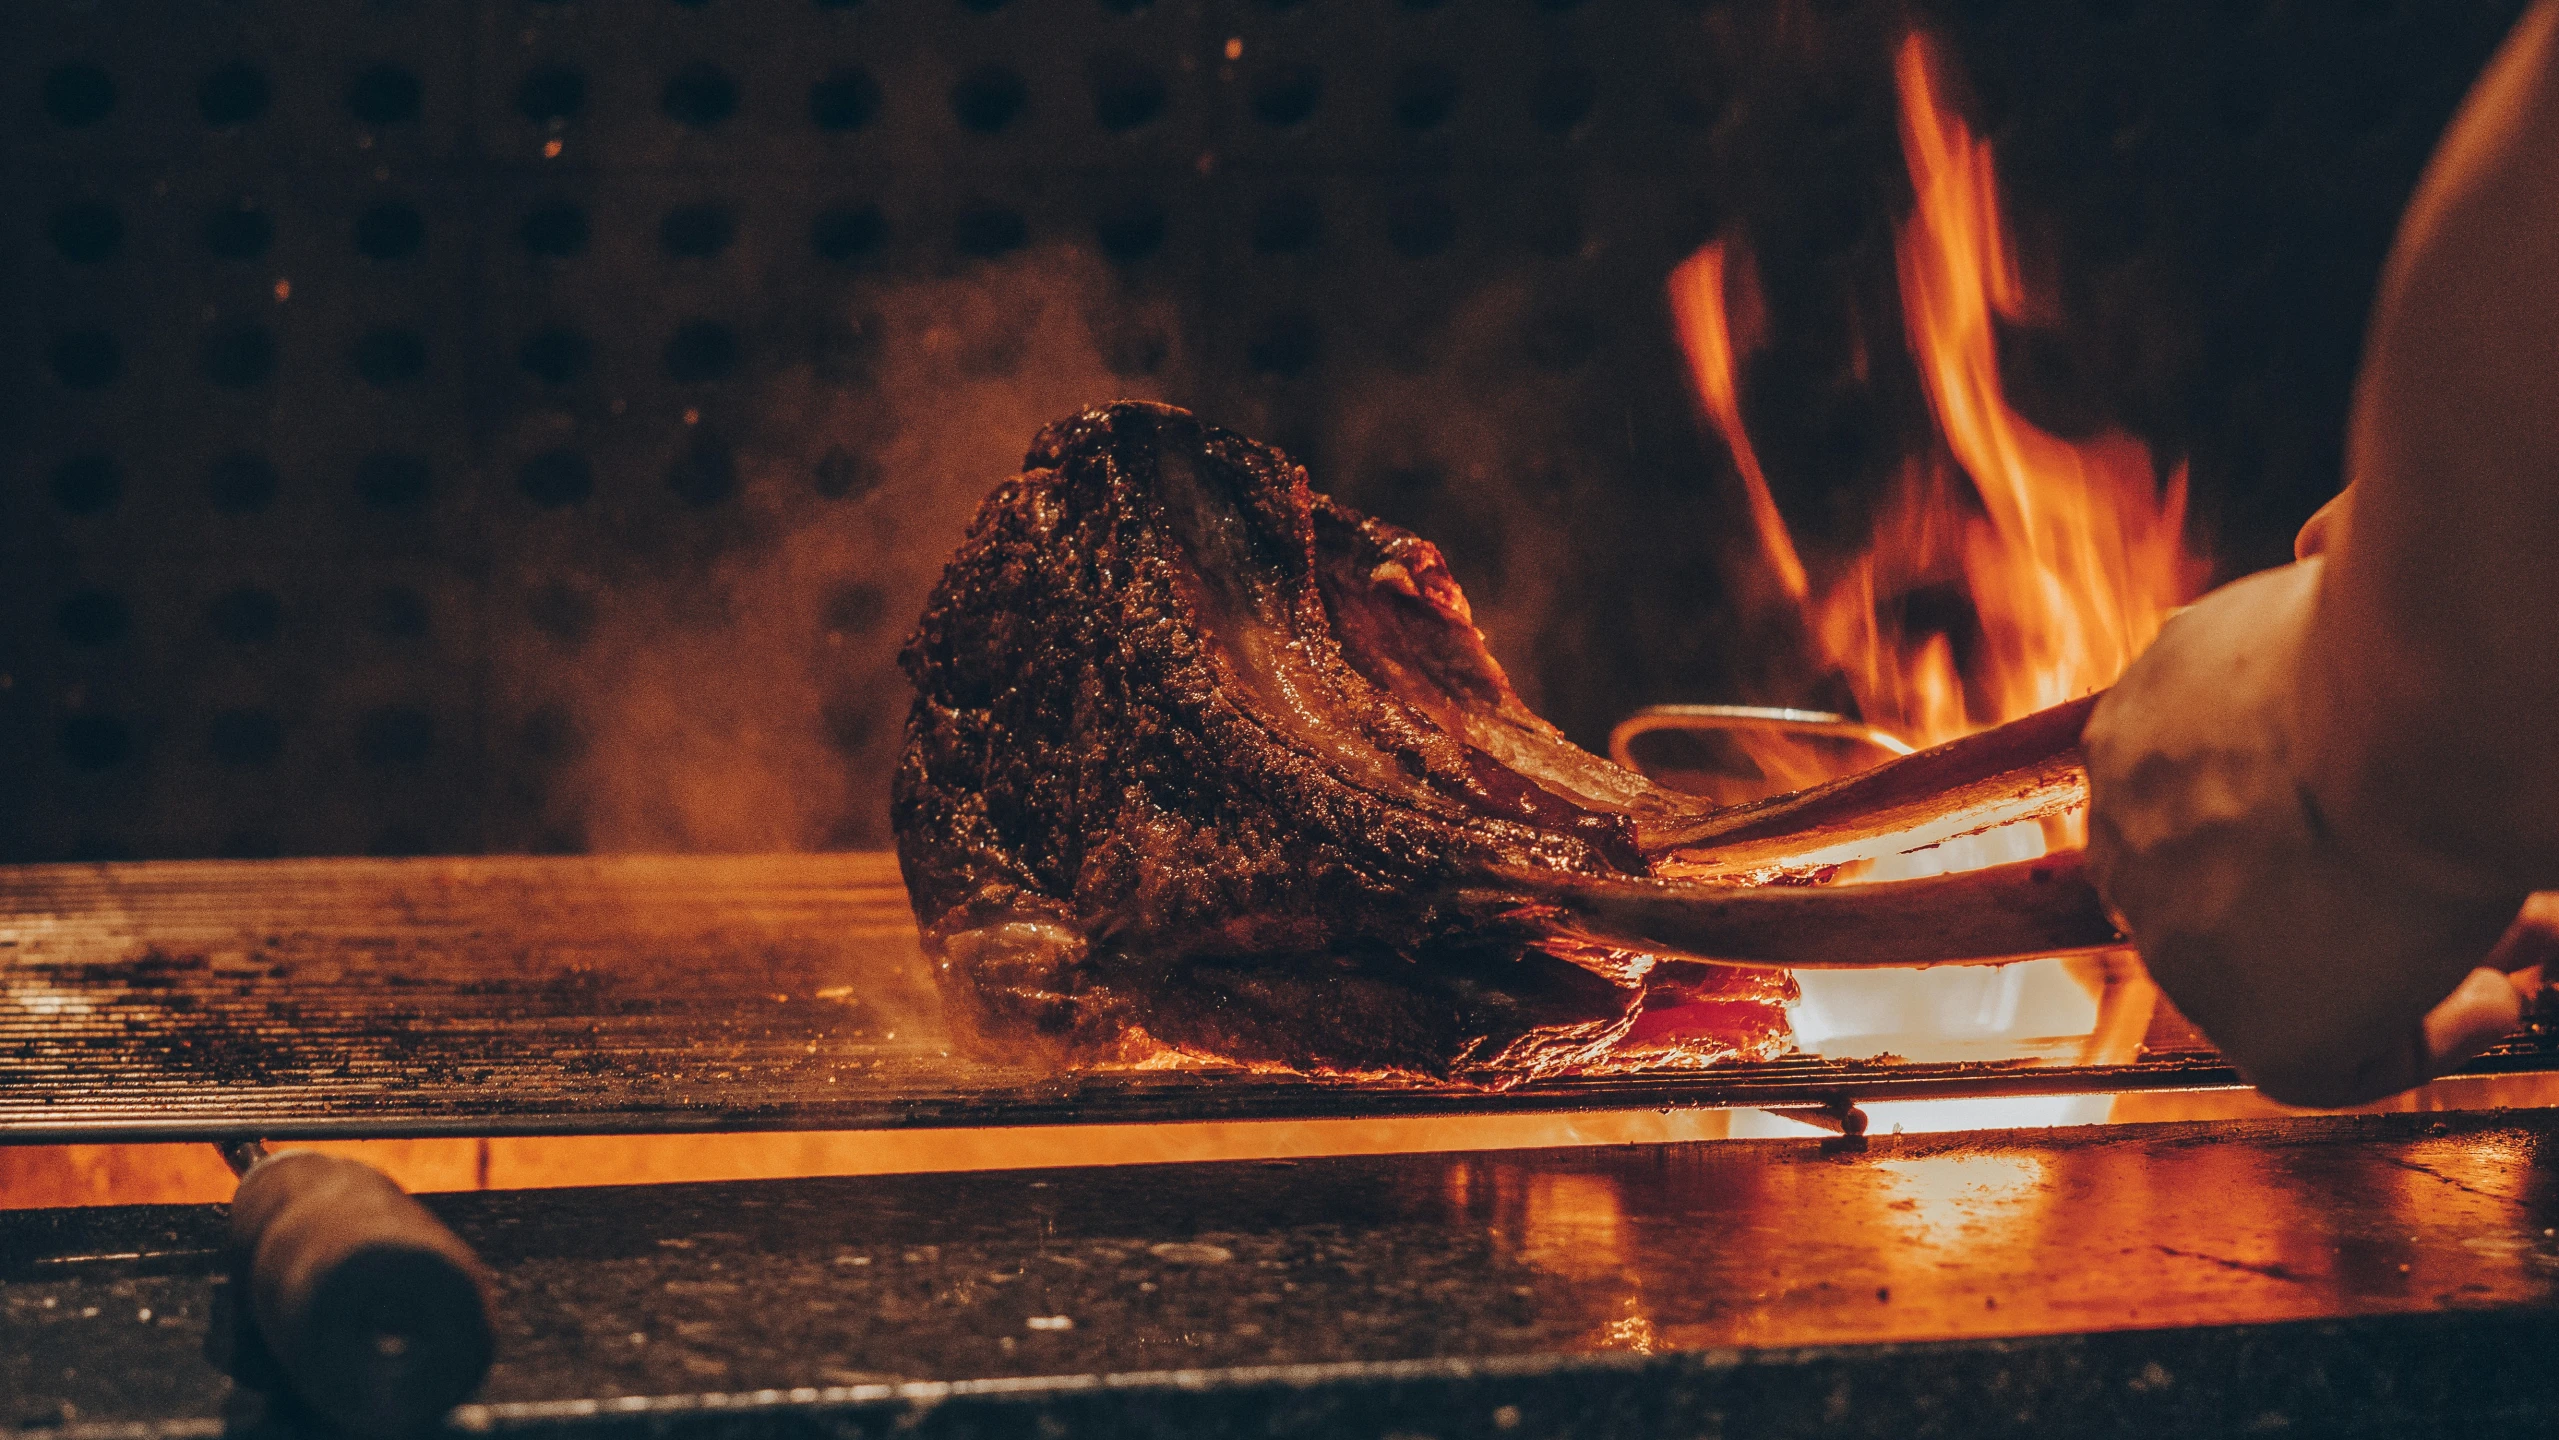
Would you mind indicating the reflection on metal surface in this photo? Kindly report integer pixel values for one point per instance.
(1938, 1117)
(1941, 1199)
(1572, 1224)
(1488, 1258)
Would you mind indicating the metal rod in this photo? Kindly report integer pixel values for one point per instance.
(1717, 719)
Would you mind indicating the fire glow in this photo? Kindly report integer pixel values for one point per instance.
(2069, 554)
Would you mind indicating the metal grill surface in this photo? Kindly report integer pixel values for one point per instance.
(179, 1000)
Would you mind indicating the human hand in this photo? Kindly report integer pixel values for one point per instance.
(2328, 974)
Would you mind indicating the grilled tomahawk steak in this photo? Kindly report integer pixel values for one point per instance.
(1201, 758)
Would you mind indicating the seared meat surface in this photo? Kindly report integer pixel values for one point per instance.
(1201, 758)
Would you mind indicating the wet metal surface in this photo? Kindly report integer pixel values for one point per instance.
(1628, 1252)
(351, 998)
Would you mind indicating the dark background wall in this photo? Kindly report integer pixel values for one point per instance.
(453, 425)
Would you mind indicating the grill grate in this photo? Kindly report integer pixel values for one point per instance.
(200, 1000)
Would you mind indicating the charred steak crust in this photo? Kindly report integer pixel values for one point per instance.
(1199, 756)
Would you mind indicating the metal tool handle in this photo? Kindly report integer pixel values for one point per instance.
(377, 1314)
(1716, 719)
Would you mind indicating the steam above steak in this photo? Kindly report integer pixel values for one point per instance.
(1200, 757)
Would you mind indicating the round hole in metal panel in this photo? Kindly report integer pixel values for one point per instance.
(78, 95)
(989, 98)
(842, 475)
(556, 479)
(701, 351)
(563, 612)
(1424, 94)
(1285, 95)
(550, 736)
(1285, 344)
(395, 737)
(87, 484)
(1130, 229)
(86, 232)
(85, 359)
(94, 742)
(847, 232)
(92, 619)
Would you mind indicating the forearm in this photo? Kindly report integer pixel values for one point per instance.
(2430, 673)
(2309, 960)
(2323, 793)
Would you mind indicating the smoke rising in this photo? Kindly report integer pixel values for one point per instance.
(739, 692)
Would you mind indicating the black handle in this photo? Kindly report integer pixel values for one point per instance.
(377, 1314)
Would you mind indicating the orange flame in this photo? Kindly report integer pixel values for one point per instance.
(2070, 552)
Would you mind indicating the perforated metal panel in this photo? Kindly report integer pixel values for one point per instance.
(485, 425)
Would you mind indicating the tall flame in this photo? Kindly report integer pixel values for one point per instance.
(2069, 552)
